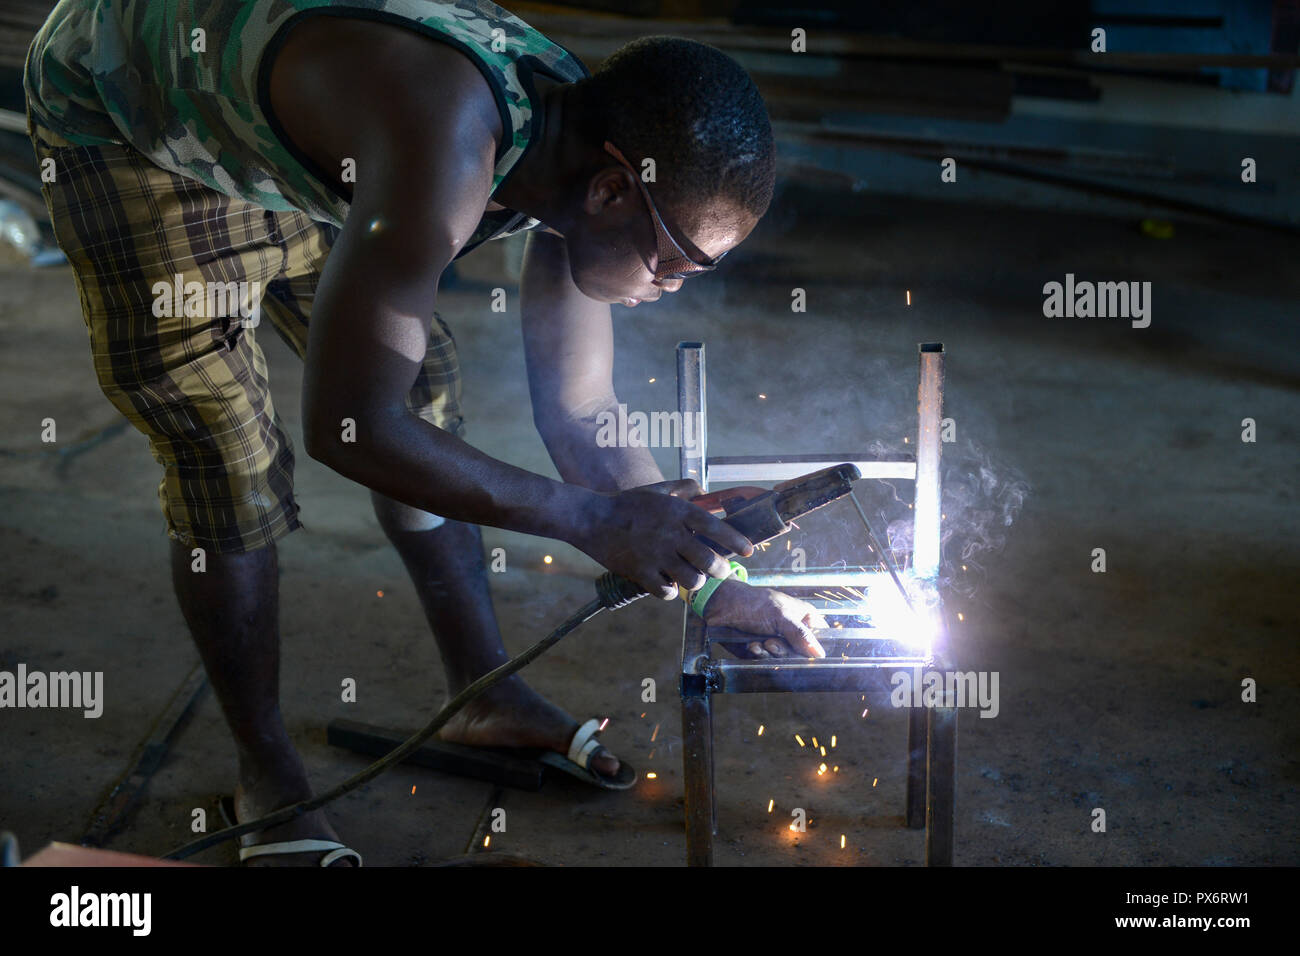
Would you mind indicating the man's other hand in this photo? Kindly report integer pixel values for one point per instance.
(781, 625)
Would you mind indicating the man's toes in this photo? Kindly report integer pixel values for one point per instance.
(605, 764)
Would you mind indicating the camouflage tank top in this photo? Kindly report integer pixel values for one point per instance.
(185, 82)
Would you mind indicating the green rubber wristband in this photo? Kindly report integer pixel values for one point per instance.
(702, 596)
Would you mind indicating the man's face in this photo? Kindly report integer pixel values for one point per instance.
(614, 247)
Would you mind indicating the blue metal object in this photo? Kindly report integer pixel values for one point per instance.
(1192, 26)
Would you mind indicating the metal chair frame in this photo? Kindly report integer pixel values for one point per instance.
(932, 731)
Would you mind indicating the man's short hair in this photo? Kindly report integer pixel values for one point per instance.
(696, 112)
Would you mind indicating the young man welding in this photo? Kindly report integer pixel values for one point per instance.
(338, 158)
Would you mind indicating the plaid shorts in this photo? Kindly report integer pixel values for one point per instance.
(196, 385)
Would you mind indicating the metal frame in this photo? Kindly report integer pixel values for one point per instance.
(932, 731)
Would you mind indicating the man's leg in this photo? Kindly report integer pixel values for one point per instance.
(446, 565)
(443, 558)
(196, 386)
(232, 609)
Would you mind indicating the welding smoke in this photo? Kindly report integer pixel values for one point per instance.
(982, 498)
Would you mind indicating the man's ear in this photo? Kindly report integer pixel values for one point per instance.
(607, 189)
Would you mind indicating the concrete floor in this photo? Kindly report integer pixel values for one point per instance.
(1118, 690)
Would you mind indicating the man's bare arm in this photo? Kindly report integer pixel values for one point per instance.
(423, 176)
(569, 347)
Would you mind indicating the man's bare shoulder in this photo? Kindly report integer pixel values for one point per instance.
(336, 79)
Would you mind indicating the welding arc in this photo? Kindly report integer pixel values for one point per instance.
(608, 598)
(885, 556)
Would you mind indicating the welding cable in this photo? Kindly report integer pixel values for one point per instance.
(759, 520)
(612, 592)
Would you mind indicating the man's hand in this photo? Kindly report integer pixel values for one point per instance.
(781, 625)
(652, 535)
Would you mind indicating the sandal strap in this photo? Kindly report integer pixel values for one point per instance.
(584, 743)
(338, 850)
(342, 853)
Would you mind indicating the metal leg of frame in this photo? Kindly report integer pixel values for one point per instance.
(942, 787)
(713, 767)
(697, 766)
(917, 759)
(927, 513)
(697, 707)
(941, 722)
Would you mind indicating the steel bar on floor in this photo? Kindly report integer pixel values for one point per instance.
(120, 799)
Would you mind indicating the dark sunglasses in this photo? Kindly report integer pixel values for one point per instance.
(672, 261)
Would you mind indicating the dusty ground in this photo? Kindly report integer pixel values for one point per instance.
(1118, 690)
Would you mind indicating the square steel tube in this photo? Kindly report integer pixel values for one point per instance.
(728, 470)
(691, 401)
(806, 676)
(820, 579)
(926, 535)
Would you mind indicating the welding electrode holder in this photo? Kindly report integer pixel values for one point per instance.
(759, 519)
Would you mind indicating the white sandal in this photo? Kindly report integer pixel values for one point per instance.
(337, 850)
(582, 747)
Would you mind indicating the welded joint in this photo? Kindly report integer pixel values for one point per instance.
(701, 684)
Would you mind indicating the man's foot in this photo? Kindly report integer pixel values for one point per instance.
(512, 714)
(309, 826)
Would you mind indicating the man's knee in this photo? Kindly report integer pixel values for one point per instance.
(396, 517)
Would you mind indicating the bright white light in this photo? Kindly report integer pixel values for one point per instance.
(890, 614)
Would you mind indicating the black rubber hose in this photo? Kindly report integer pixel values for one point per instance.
(612, 592)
